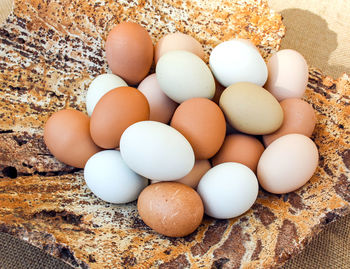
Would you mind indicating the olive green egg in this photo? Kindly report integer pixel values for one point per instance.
(251, 109)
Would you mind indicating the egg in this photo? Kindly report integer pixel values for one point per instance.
(156, 151)
(67, 136)
(194, 176)
(177, 41)
(299, 118)
(240, 148)
(116, 111)
(228, 190)
(237, 61)
(170, 208)
(129, 52)
(287, 163)
(111, 180)
(161, 106)
(182, 75)
(251, 109)
(288, 74)
(100, 86)
(202, 123)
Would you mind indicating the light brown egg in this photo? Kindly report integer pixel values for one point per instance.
(299, 118)
(67, 136)
(114, 112)
(171, 208)
(288, 74)
(129, 52)
(177, 41)
(287, 163)
(161, 106)
(194, 176)
(240, 148)
(202, 123)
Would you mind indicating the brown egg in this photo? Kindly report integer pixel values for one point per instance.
(129, 52)
(240, 148)
(219, 89)
(194, 176)
(114, 112)
(299, 118)
(171, 208)
(203, 124)
(178, 41)
(67, 136)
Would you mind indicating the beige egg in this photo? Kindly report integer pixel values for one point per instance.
(299, 118)
(251, 109)
(287, 164)
(177, 41)
(288, 74)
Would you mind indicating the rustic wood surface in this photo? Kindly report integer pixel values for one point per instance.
(50, 52)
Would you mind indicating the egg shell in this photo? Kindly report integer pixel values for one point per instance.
(116, 111)
(110, 179)
(171, 208)
(156, 151)
(67, 136)
(203, 124)
(299, 118)
(161, 106)
(251, 109)
(240, 148)
(182, 75)
(287, 163)
(228, 190)
(192, 178)
(99, 87)
(288, 74)
(177, 41)
(237, 61)
(129, 52)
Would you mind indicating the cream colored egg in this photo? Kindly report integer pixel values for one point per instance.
(287, 163)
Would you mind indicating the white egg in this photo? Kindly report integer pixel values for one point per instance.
(110, 179)
(156, 151)
(99, 87)
(183, 75)
(237, 61)
(228, 190)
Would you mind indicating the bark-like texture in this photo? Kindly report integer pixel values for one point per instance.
(49, 53)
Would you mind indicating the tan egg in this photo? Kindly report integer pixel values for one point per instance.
(177, 41)
(240, 148)
(161, 106)
(129, 52)
(192, 178)
(67, 136)
(251, 109)
(299, 118)
(288, 74)
(202, 123)
(171, 208)
(114, 112)
(287, 163)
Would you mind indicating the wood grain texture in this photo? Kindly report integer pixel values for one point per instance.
(50, 52)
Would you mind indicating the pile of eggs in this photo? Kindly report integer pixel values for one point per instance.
(197, 133)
